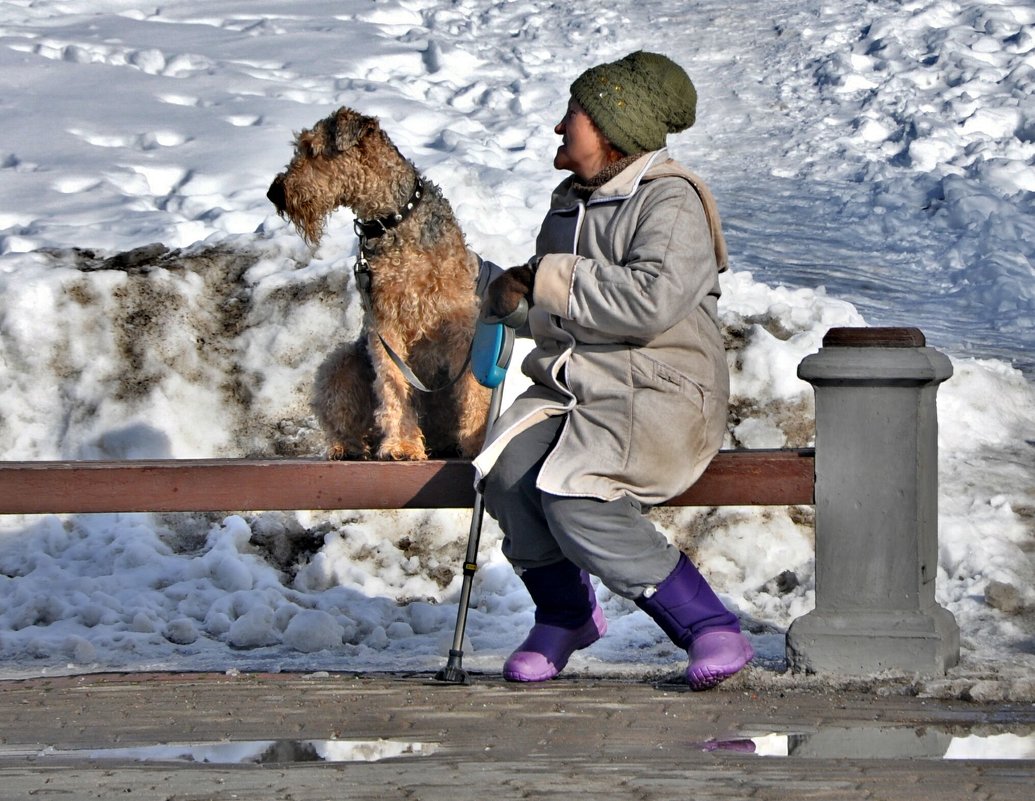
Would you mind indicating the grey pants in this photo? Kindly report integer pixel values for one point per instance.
(612, 540)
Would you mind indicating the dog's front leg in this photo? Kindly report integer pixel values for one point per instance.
(472, 403)
(402, 438)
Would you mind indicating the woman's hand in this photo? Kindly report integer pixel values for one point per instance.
(506, 292)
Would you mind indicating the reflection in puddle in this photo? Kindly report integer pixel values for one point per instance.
(255, 751)
(999, 746)
(880, 743)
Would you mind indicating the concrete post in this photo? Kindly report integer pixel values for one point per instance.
(876, 508)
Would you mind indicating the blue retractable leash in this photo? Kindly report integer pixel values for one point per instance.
(491, 350)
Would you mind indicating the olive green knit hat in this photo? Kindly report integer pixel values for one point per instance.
(638, 100)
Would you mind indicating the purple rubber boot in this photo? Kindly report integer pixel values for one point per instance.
(693, 617)
(567, 618)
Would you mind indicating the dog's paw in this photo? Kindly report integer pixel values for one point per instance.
(341, 452)
(402, 451)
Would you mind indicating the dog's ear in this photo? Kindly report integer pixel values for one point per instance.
(348, 127)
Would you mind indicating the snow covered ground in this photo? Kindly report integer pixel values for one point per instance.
(873, 163)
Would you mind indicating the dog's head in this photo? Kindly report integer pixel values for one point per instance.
(326, 171)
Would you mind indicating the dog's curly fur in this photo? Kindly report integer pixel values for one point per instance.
(423, 300)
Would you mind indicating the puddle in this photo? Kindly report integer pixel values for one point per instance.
(879, 743)
(247, 752)
(859, 742)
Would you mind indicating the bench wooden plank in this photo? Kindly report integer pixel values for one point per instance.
(755, 478)
(734, 478)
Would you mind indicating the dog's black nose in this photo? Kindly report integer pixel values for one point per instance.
(276, 193)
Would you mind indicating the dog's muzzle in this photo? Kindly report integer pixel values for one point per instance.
(276, 194)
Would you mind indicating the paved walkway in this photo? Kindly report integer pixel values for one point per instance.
(489, 741)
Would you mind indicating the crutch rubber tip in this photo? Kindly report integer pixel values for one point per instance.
(453, 675)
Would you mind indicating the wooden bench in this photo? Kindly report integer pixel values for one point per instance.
(734, 478)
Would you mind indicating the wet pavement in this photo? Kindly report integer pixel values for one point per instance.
(330, 736)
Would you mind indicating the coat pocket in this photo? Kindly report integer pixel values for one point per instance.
(656, 381)
(669, 425)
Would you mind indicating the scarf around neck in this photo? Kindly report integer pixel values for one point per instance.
(586, 188)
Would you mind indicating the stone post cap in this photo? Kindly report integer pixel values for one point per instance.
(875, 357)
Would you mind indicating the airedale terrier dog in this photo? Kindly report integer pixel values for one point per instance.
(417, 281)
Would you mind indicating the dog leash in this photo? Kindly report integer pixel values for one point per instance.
(375, 229)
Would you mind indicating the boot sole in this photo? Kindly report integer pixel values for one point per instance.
(552, 670)
(704, 677)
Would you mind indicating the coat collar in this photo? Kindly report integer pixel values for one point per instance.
(622, 186)
(626, 183)
(655, 164)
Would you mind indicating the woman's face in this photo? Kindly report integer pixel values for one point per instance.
(584, 150)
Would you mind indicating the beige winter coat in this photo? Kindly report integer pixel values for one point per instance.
(627, 339)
